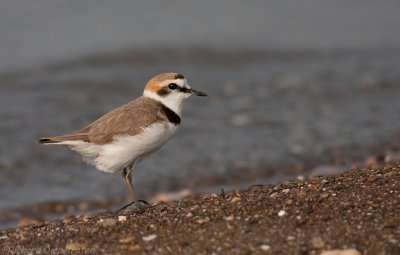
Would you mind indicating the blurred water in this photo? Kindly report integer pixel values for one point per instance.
(333, 83)
(34, 33)
(258, 114)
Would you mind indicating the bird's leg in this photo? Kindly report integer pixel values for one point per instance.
(127, 174)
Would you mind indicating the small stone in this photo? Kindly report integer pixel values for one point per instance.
(301, 194)
(281, 213)
(229, 218)
(149, 237)
(172, 196)
(286, 191)
(68, 219)
(88, 216)
(290, 238)
(317, 242)
(127, 240)
(122, 218)
(235, 198)
(265, 247)
(274, 195)
(75, 246)
(110, 222)
(203, 220)
(26, 222)
(135, 249)
(341, 252)
(289, 202)
(325, 195)
(189, 214)
(3, 237)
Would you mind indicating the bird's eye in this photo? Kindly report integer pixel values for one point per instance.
(172, 86)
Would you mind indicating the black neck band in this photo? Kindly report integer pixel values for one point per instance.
(171, 115)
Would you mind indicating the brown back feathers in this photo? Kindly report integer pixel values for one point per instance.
(128, 119)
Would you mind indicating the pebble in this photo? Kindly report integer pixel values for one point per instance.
(235, 198)
(286, 191)
(149, 237)
(301, 194)
(135, 249)
(300, 178)
(317, 242)
(290, 238)
(274, 195)
(265, 247)
(110, 222)
(88, 216)
(281, 213)
(26, 222)
(172, 196)
(68, 219)
(75, 246)
(325, 195)
(203, 220)
(3, 237)
(122, 218)
(229, 218)
(127, 240)
(341, 252)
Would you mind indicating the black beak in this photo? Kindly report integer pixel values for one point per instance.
(197, 93)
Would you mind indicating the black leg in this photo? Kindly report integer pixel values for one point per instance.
(127, 174)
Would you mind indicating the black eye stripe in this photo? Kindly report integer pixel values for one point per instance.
(184, 90)
(164, 91)
(167, 90)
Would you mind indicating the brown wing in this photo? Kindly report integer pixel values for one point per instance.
(128, 119)
(81, 135)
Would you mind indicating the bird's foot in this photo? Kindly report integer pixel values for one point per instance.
(139, 204)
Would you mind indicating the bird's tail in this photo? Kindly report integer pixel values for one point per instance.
(64, 138)
(47, 141)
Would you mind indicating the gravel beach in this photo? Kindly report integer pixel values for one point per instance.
(359, 210)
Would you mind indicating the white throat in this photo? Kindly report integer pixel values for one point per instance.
(172, 102)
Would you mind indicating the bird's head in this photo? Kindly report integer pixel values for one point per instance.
(171, 89)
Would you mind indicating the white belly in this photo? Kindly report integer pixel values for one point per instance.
(125, 150)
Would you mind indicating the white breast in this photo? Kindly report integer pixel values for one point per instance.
(124, 150)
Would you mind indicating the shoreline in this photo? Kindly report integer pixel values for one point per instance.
(359, 209)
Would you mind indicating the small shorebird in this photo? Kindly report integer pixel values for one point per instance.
(121, 138)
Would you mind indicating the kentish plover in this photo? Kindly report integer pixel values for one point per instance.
(121, 138)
